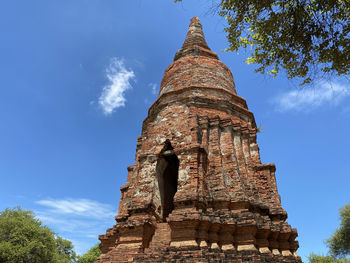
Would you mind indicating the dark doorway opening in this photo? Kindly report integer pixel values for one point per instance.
(167, 173)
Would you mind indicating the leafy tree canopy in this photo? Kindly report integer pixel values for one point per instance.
(313, 258)
(65, 250)
(23, 239)
(304, 37)
(339, 242)
(91, 255)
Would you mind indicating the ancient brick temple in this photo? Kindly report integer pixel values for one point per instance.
(198, 191)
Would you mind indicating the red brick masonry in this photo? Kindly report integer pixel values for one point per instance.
(198, 191)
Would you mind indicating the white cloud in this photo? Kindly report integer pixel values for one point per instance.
(78, 207)
(310, 98)
(78, 220)
(154, 88)
(119, 77)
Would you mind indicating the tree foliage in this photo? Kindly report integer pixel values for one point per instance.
(91, 255)
(65, 250)
(304, 37)
(339, 242)
(313, 258)
(23, 239)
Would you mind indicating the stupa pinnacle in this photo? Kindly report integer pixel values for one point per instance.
(198, 191)
(195, 41)
(195, 35)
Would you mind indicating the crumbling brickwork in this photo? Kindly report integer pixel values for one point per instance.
(198, 191)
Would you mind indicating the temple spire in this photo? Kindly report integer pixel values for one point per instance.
(195, 43)
(195, 35)
(198, 191)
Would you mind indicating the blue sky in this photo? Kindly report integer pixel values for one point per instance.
(76, 81)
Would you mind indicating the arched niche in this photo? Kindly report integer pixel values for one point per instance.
(167, 170)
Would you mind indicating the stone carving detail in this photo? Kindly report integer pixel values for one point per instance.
(198, 191)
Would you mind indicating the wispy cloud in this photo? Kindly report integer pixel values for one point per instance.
(78, 207)
(79, 220)
(311, 98)
(119, 77)
(153, 86)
